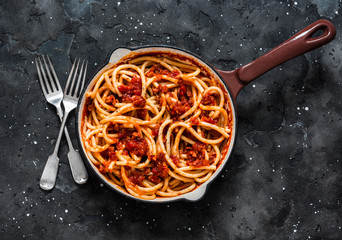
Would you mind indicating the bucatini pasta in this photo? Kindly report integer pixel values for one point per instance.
(156, 125)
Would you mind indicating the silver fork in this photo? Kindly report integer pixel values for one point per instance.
(54, 95)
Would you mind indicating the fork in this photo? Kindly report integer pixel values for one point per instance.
(54, 96)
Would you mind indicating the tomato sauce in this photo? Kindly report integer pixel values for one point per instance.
(136, 177)
(209, 119)
(133, 88)
(155, 130)
(138, 101)
(208, 99)
(179, 108)
(157, 70)
(110, 100)
(159, 169)
(175, 160)
(160, 88)
(137, 145)
(196, 155)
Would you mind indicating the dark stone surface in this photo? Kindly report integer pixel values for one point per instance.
(283, 180)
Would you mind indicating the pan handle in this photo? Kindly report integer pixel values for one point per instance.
(300, 43)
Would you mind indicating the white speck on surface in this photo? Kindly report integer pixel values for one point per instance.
(306, 109)
(35, 142)
(254, 85)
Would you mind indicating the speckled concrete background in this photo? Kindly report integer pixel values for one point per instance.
(283, 180)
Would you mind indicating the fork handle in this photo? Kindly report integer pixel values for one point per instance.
(77, 167)
(78, 170)
(49, 176)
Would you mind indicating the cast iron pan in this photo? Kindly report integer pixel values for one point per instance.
(304, 41)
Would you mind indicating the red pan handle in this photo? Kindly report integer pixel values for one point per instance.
(297, 45)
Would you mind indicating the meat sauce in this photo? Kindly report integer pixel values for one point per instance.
(155, 130)
(136, 177)
(196, 155)
(157, 71)
(132, 142)
(208, 99)
(137, 146)
(179, 108)
(132, 92)
(184, 104)
(156, 173)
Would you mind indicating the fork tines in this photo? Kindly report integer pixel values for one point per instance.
(70, 90)
(49, 84)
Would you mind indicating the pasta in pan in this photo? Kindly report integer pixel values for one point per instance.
(156, 125)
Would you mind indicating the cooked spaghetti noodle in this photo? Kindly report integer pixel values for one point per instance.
(156, 125)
